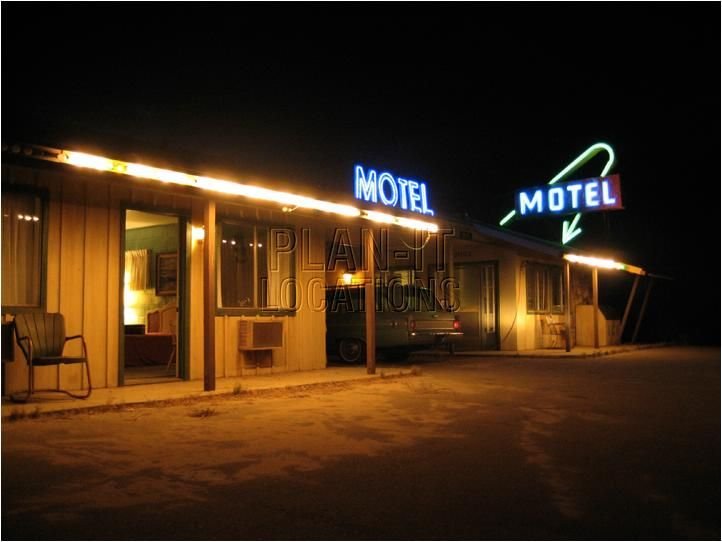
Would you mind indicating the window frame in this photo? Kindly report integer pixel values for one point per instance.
(44, 196)
(255, 310)
(545, 288)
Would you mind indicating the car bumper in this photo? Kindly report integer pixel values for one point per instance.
(424, 338)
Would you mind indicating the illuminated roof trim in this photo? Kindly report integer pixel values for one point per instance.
(604, 263)
(222, 186)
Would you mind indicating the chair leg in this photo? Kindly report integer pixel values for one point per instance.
(78, 395)
(17, 398)
(90, 387)
(171, 358)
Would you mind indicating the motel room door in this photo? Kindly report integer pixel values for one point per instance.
(478, 301)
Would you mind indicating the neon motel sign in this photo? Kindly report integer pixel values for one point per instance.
(391, 191)
(595, 194)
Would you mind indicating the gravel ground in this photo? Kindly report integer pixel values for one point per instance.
(618, 447)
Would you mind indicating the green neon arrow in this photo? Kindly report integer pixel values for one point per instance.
(570, 232)
(575, 164)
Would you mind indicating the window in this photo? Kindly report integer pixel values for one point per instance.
(23, 249)
(256, 268)
(402, 275)
(544, 288)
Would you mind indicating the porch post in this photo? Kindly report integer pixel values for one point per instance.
(568, 289)
(642, 310)
(209, 297)
(370, 303)
(595, 302)
(628, 307)
(449, 273)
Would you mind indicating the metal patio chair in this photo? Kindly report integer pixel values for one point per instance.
(41, 338)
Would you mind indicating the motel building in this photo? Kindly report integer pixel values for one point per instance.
(173, 275)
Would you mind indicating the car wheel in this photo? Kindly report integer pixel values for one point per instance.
(351, 350)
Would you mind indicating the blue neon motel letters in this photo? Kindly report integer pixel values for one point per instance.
(391, 191)
(595, 194)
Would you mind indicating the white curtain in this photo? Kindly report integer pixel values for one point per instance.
(22, 237)
(137, 269)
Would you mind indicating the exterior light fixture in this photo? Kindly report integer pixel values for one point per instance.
(347, 278)
(198, 234)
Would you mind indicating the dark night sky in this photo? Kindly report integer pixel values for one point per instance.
(478, 100)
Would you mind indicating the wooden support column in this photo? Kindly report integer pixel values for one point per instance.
(370, 303)
(568, 293)
(449, 272)
(628, 307)
(595, 302)
(642, 310)
(209, 297)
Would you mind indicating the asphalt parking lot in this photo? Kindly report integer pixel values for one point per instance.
(617, 447)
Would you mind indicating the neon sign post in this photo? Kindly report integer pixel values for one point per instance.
(595, 194)
(391, 191)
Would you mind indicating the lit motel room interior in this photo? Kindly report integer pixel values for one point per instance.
(150, 296)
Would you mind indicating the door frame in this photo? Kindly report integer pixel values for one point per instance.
(183, 290)
(497, 302)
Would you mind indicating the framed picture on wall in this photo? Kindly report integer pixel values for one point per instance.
(166, 273)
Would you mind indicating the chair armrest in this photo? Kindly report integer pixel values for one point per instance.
(85, 348)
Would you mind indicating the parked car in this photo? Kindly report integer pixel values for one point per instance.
(408, 318)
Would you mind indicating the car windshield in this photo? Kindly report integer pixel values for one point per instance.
(393, 298)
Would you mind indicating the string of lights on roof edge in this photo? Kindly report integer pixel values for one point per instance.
(285, 199)
(604, 263)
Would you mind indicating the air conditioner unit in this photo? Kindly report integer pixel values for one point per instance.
(260, 334)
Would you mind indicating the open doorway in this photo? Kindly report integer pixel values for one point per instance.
(150, 298)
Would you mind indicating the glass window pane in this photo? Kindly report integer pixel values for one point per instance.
(557, 286)
(532, 288)
(256, 267)
(544, 288)
(236, 265)
(263, 267)
(277, 259)
(22, 249)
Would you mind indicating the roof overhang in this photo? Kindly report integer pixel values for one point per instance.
(286, 201)
(554, 250)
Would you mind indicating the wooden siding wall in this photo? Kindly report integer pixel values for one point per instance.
(82, 275)
(83, 280)
(608, 330)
